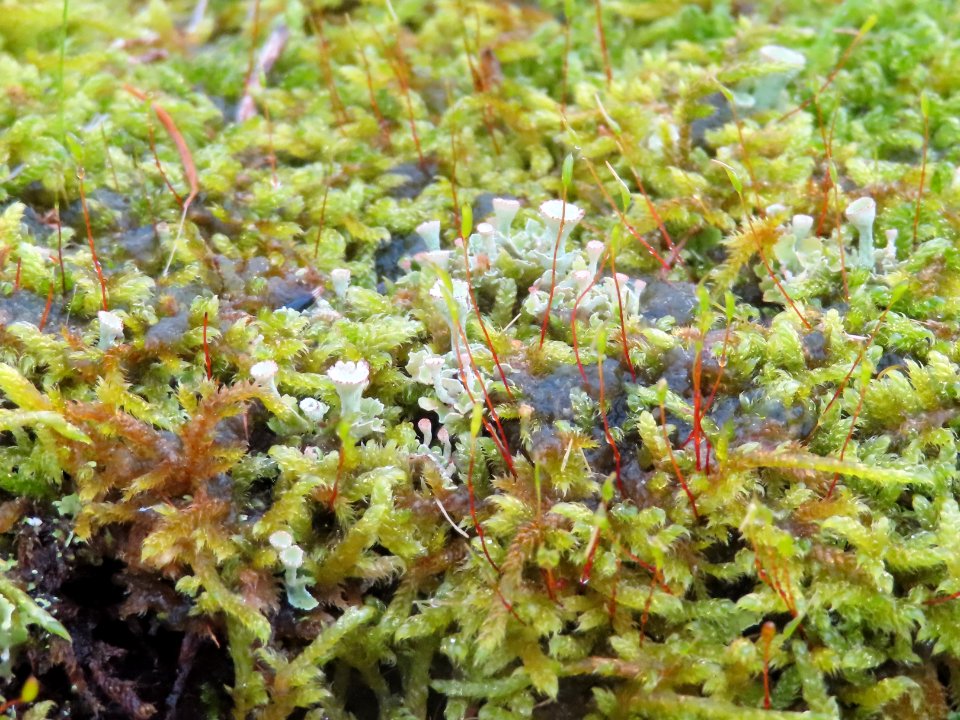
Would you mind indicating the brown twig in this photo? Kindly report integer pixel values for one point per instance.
(673, 461)
(846, 441)
(339, 110)
(553, 274)
(466, 265)
(206, 349)
(596, 178)
(602, 36)
(923, 168)
(323, 217)
(871, 21)
(767, 634)
(186, 159)
(374, 105)
(396, 65)
(93, 250)
(623, 328)
(46, 308)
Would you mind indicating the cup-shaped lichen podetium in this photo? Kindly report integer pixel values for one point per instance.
(558, 214)
(861, 213)
(111, 329)
(768, 90)
(504, 211)
(350, 379)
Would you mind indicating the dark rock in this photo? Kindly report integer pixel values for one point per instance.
(25, 306)
(414, 179)
(483, 204)
(575, 700)
(140, 244)
(676, 371)
(201, 215)
(281, 291)
(633, 476)
(815, 348)
(724, 410)
(255, 267)
(230, 280)
(183, 295)
(108, 210)
(434, 95)
(756, 418)
(167, 331)
(31, 221)
(719, 116)
(677, 299)
(301, 301)
(549, 394)
(390, 253)
(889, 359)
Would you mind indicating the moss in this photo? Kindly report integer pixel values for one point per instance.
(690, 452)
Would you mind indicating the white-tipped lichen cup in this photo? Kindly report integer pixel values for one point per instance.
(557, 214)
(861, 213)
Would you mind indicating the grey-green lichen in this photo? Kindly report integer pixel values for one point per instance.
(442, 366)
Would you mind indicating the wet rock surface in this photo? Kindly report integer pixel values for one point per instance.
(549, 394)
(815, 348)
(140, 244)
(107, 209)
(390, 253)
(676, 299)
(25, 306)
(413, 179)
(755, 418)
(34, 224)
(719, 115)
(483, 204)
(167, 331)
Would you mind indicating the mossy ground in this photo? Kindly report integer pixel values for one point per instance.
(721, 484)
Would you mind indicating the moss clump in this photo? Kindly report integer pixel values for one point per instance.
(308, 411)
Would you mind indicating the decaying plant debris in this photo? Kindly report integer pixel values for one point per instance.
(479, 359)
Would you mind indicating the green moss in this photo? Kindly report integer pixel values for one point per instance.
(499, 516)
